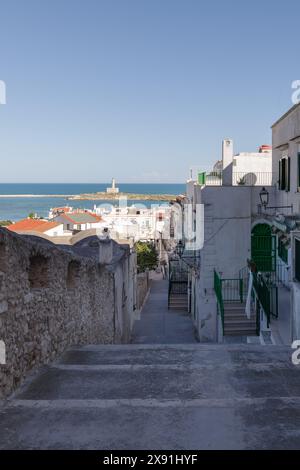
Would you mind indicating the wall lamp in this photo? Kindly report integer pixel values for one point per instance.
(264, 202)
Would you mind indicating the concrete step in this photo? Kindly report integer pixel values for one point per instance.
(238, 317)
(233, 306)
(139, 396)
(239, 322)
(144, 373)
(239, 329)
(240, 333)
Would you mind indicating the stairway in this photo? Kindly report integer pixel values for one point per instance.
(178, 301)
(197, 396)
(236, 322)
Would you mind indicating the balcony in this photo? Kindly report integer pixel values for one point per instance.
(214, 178)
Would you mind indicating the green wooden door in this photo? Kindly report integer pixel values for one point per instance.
(263, 248)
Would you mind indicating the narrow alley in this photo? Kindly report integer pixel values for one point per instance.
(160, 325)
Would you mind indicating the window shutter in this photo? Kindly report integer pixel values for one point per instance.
(280, 173)
(298, 183)
(297, 259)
(288, 174)
(283, 174)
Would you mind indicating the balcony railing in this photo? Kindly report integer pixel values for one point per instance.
(214, 178)
(252, 178)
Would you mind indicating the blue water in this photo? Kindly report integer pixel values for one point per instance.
(19, 207)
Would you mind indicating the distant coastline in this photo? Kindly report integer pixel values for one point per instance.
(17, 200)
(96, 196)
(7, 196)
(116, 197)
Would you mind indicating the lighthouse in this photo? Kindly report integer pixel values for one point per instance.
(113, 189)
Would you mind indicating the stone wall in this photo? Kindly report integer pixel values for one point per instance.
(143, 285)
(52, 297)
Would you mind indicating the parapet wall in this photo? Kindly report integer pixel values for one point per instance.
(51, 298)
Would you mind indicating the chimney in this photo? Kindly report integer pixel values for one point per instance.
(227, 159)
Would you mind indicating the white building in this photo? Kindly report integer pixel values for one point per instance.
(250, 168)
(78, 221)
(286, 170)
(135, 222)
(236, 230)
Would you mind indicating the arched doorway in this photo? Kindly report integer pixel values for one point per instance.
(263, 248)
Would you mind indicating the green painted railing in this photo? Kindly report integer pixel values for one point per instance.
(263, 295)
(265, 285)
(218, 291)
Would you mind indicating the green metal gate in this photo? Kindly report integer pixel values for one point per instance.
(263, 248)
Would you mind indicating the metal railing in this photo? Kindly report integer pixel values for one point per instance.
(239, 178)
(218, 292)
(232, 290)
(263, 295)
(252, 178)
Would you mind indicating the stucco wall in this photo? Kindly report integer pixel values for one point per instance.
(45, 306)
(230, 212)
(286, 142)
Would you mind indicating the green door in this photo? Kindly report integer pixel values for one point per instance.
(263, 248)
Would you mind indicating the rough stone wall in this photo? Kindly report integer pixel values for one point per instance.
(50, 299)
(143, 284)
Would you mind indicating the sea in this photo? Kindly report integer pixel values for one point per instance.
(18, 200)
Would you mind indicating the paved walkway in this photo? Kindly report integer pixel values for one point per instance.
(139, 396)
(157, 324)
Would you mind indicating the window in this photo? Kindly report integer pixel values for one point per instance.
(282, 251)
(284, 173)
(38, 272)
(297, 259)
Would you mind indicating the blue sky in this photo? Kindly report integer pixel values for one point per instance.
(139, 89)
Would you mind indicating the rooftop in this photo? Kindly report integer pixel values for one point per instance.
(29, 225)
(81, 217)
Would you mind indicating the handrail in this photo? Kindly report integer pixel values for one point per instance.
(263, 295)
(218, 291)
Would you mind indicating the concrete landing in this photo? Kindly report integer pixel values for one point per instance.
(158, 397)
(160, 325)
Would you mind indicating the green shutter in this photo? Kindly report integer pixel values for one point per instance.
(280, 173)
(201, 178)
(288, 174)
(297, 259)
(298, 183)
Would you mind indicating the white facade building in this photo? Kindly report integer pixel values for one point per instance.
(286, 171)
(136, 223)
(234, 227)
(250, 168)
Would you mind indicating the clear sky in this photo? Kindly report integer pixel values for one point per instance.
(140, 89)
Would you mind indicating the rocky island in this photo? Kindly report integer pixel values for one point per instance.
(102, 196)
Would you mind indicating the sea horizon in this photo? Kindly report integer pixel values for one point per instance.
(18, 200)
